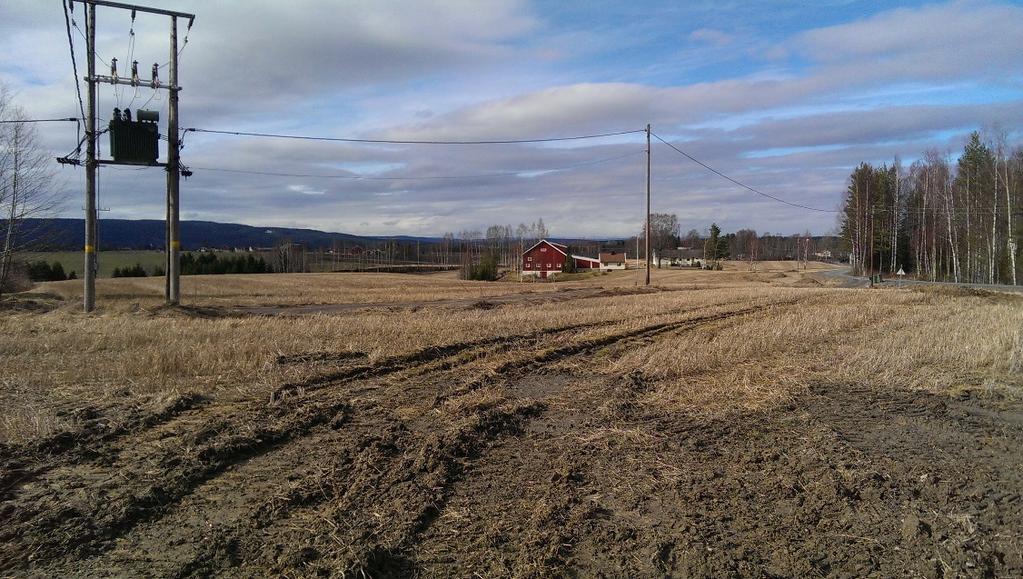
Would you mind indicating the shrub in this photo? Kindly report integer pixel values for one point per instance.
(42, 271)
(134, 271)
(485, 270)
(569, 266)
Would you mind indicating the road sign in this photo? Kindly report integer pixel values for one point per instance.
(900, 273)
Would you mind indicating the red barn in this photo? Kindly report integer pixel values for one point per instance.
(547, 258)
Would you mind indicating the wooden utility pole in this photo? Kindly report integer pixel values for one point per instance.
(90, 164)
(173, 175)
(648, 204)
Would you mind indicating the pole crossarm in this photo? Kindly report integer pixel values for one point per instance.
(138, 8)
(112, 162)
(129, 82)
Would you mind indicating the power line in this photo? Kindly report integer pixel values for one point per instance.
(74, 63)
(82, 34)
(357, 177)
(61, 119)
(740, 183)
(183, 45)
(149, 100)
(402, 142)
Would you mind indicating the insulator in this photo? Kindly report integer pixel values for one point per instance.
(156, 75)
(134, 71)
(117, 114)
(113, 67)
(127, 115)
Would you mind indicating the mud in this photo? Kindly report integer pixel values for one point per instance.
(426, 465)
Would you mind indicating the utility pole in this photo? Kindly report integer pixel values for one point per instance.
(90, 164)
(173, 175)
(173, 165)
(648, 204)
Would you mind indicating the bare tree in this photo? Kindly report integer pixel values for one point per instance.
(26, 181)
(747, 247)
(664, 232)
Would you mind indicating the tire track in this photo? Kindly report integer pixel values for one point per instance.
(20, 465)
(364, 551)
(234, 438)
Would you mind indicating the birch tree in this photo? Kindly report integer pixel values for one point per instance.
(26, 184)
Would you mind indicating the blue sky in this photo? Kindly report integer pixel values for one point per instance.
(785, 96)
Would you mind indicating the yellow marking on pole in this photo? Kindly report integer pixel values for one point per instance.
(90, 249)
(175, 245)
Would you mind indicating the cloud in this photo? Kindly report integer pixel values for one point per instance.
(299, 48)
(975, 39)
(306, 190)
(710, 36)
(792, 119)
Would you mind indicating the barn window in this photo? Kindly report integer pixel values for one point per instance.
(529, 259)
(543, 249)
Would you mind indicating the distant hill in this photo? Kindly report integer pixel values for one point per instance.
(68, 234)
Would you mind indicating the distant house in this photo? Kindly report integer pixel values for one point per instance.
(547, 259)
(612, 260)
(679, 257)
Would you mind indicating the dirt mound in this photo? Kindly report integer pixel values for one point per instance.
(28, 303)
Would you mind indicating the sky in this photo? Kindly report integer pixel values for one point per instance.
(786, 97)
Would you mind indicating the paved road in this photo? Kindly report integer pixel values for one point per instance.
(847, 280)
(856, 281)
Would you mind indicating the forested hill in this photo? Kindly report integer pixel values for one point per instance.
(67, 234)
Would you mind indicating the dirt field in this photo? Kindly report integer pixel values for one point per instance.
(717, 424)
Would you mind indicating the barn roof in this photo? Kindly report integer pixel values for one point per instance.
(612, 257)
(562, 248)
(584, 258)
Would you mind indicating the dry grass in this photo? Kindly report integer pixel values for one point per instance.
(291, 289)
(132, 350)
(344, 288)
(885, 339)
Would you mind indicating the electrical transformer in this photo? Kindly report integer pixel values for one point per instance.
(135, 141)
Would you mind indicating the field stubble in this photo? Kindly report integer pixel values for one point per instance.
(699, 429)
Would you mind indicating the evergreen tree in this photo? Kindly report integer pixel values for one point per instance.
(57, 272)
(713, 243)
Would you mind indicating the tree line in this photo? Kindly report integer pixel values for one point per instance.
(941, 220)
(745, 244)
(204, 263)
(207, 263)
(44, 271)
